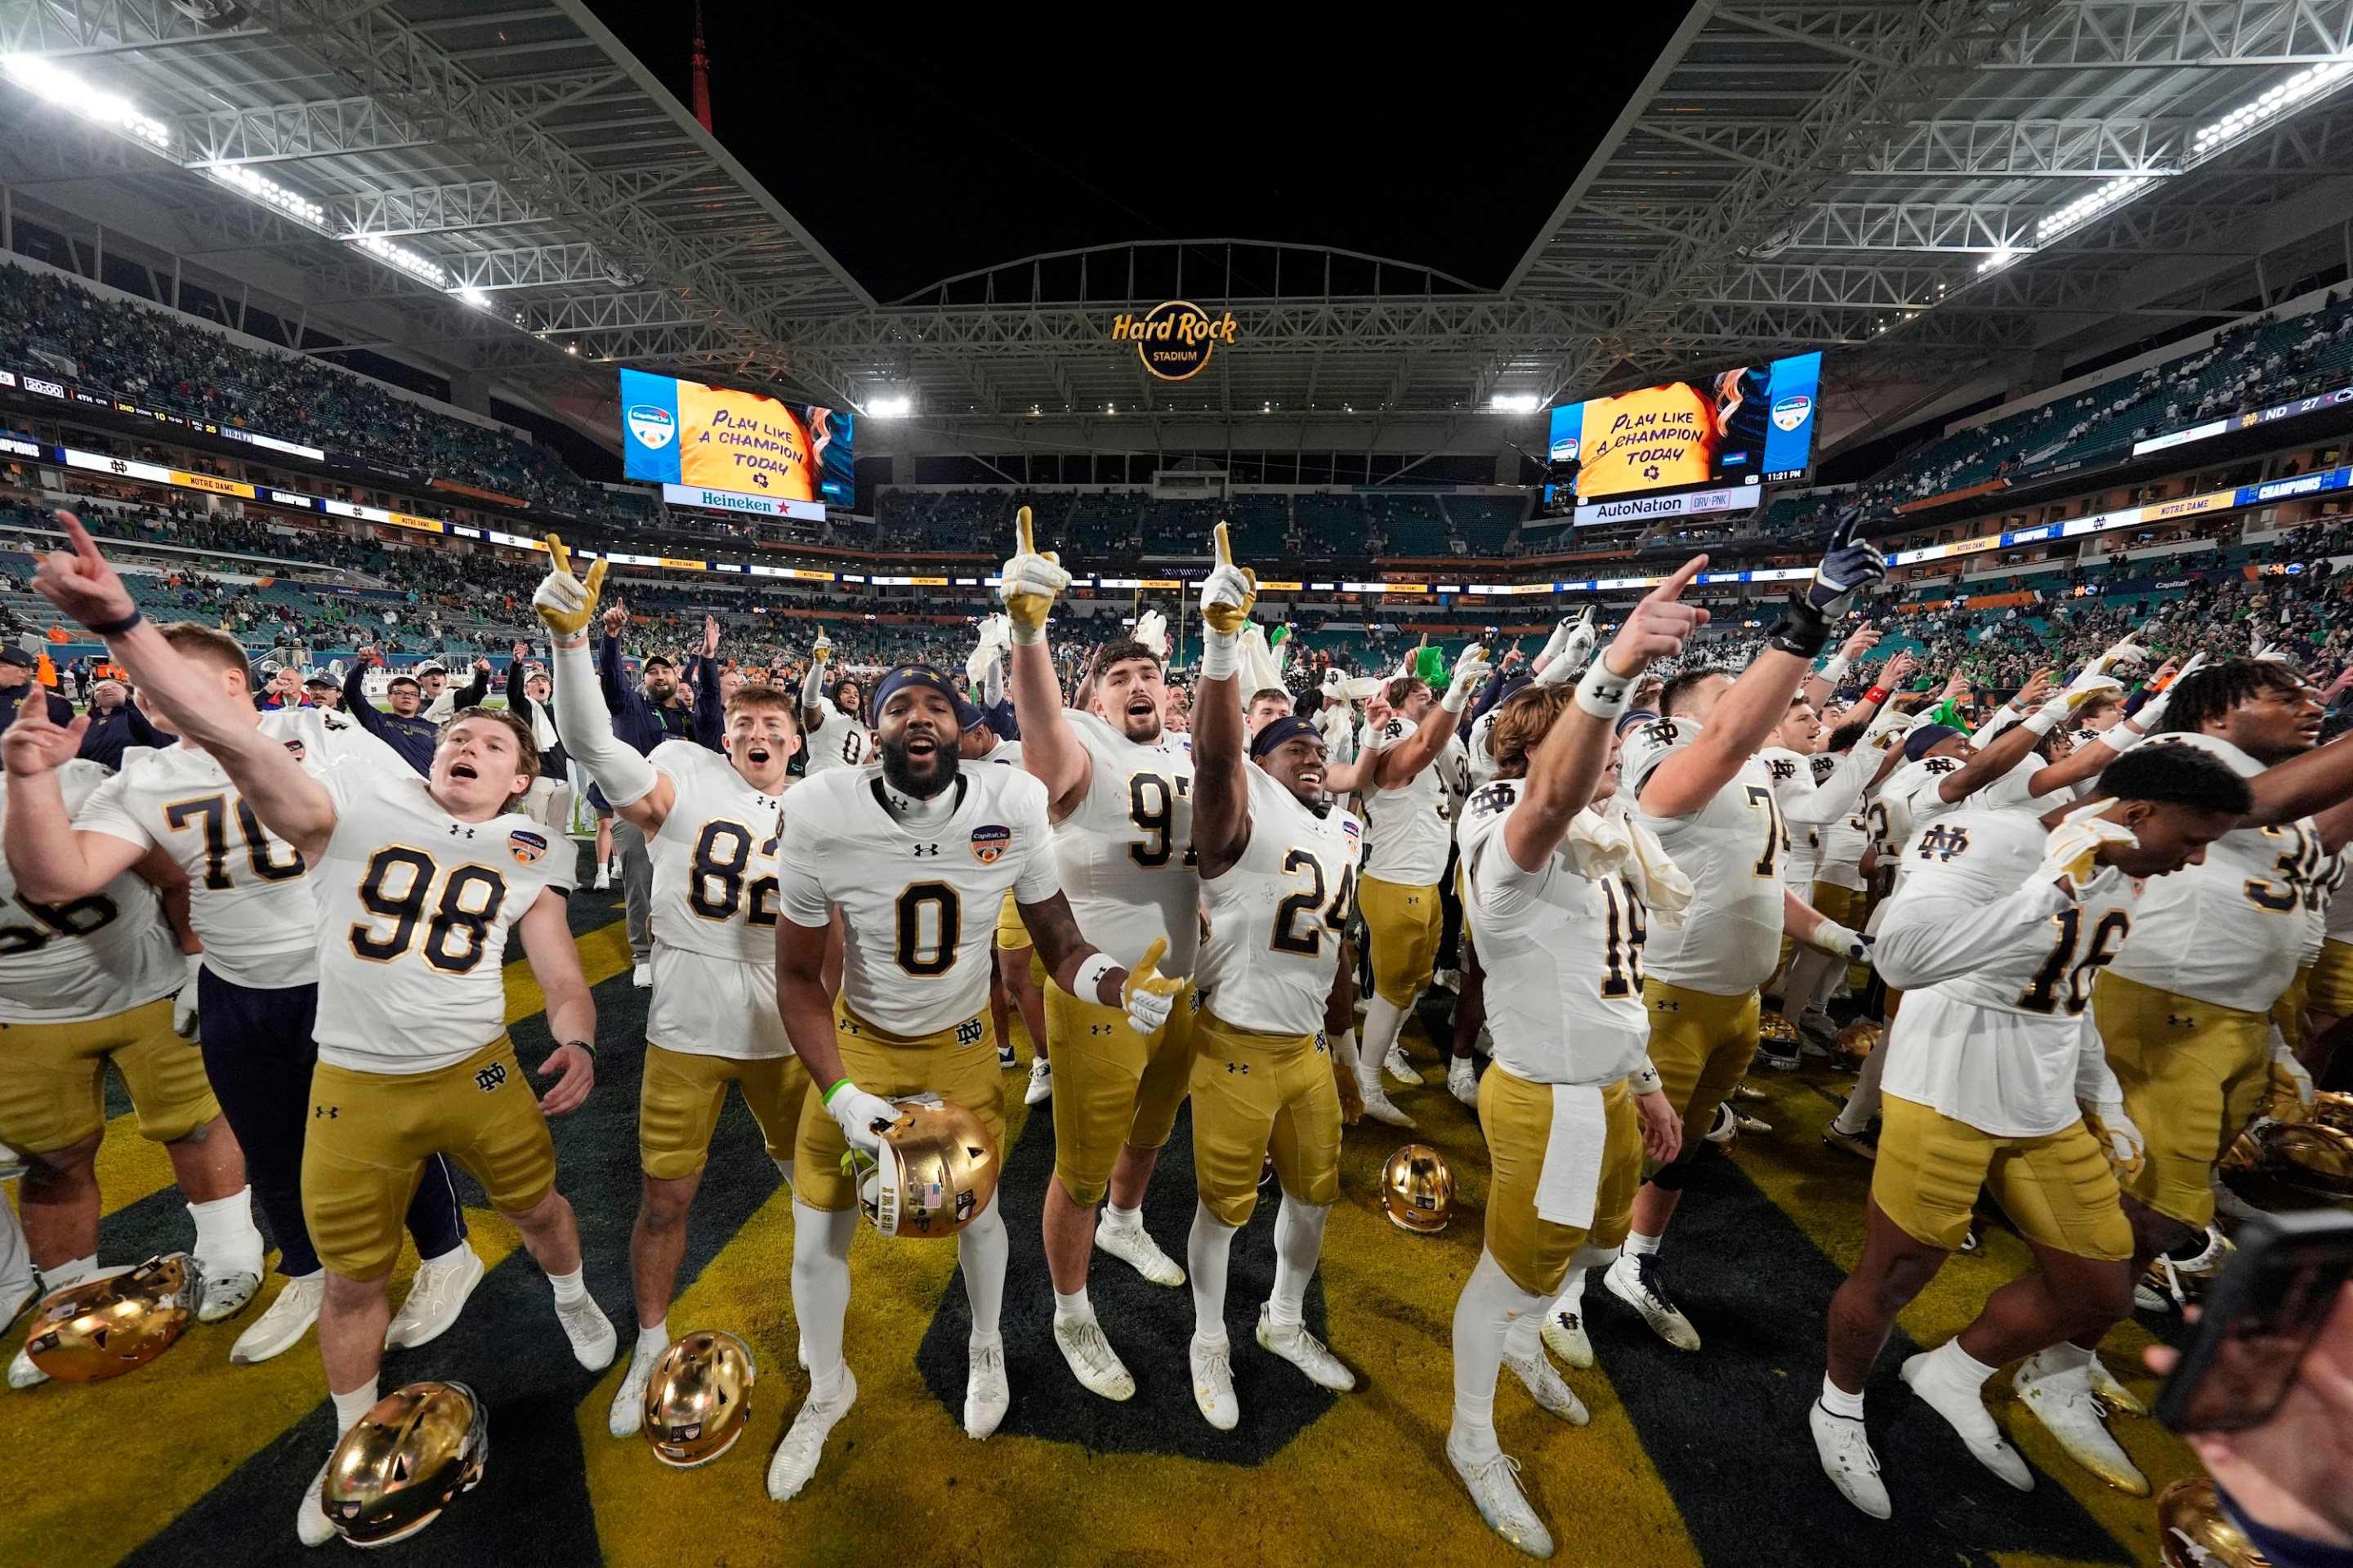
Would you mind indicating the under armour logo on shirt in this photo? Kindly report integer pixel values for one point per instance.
(927, 852)
(459, 830)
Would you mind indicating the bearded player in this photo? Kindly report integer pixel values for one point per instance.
(1994, 1079)
(1278, 870)
(917, 856)
(1119, 792)
(1699, 785)
(1562, 896)
(711, 822)
(418, 881)
(250, 902)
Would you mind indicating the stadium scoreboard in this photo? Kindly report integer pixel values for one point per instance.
(734, 452)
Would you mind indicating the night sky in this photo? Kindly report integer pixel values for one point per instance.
(916, 144)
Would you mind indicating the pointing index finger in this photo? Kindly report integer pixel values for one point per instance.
(1025, 536)
(1225, 546)
(79, 536)
(1681, 578)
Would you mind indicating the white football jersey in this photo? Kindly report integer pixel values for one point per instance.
(1839, 843)
(1562, 954)
(919, 905)
(249, 894)
(2011, 960)
(1126, 850)
(837, 742)
(1793, 787)
(2232, 930)
(414, 911)
(91, 958)
(1480, 765)
(1908, 801)
(1733, 850)
(714, 910)
(1409, 827)
(1276, 914)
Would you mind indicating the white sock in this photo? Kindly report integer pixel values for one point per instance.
(1524, 1341)
(448, 1259)
(983, 1248)
(1207, 1251)
(227, 1241)
(821, 1291)
(1344, 1047)
(70, 1273)
(784, 1169)
(1955, 1367)
(2062, 1357)
(1384, 1022)
(1833, 976)
(1490, 1308)
(350, 1407)
(1121, 1219)
(653, 1341)
(1863, 1103)
(1571, 1298)
(1072, 1307)
(1298, 1243)
(1838, 1401)
(570, 1288)
(1640, 1245)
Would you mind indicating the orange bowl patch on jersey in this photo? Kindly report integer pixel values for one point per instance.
(528, 847)
(990, 841)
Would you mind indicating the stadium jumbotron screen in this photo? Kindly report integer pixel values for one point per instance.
(734, 452)
(1745, 426)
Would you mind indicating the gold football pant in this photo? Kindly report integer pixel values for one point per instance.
(2330, 988)
(1517, 1115)
(371, 1134)
(680, 1097)
(2193, 1076)
(1402, 925)
(53, 1079)
(1253, 1094)
(1701, 1043)
(958, 1063)
(2058, 1189)
(1111, 1086)
(1010, 930)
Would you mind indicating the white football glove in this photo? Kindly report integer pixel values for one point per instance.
(184, 1003)
(2119, 1139)
(1470, 671)
(861, 1116)
(2125, 655)
(1152, 631)
(2071, 855)
(1839, 942)
(2268, 653)
(1337, 729)
(2289, 1075)
(1150, 996)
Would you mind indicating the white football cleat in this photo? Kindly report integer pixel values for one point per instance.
(1634, 1280)
(2113, 1392)
(1844, 1449)
(282, 1328)
(1042, 1082)
(1134, 1245)
(797, 1457)
(604, 878)
(1551, 1393)
(1213, 1383)
(1397, 1067)
(1304, 1350)
(311, 1525)
(628, 1412)
(1462, 1080)
(590, 1331)
(642, 977)
(225, 1295)
(1376, 1098)
(2063, 1402)
(1964, 1411)
(1092, 1361)
(23, 1373)
(1564, 1334)
(1496, 1488)
(986, 1396)
(436, 1297)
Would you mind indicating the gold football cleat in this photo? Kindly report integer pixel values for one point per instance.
(699, 1397)
(1417, 1189)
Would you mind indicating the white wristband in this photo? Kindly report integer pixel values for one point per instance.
(1603, 694)
(1087, 984)
(1644, 1079)
(2045, 719)
(1221, 654)
(1834, 669)
(1025, 636)
(2120, 737)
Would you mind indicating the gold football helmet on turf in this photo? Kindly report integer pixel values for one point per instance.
(1417, 1189)
(1775, 1028)
(2334, 1107)
(934, 1173)
(1855, 1044)
(104, 1327)
(2192, 1530)
(698, 1398)
(2310, 1155)
(400, 1465)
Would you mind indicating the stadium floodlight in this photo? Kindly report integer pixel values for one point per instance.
(2104, 198)
(1995, 262)
(1515, 403)
(894, 406)
(269, 192)
(54, 84)
(400, 256)
(2275, 101)
(472, 296)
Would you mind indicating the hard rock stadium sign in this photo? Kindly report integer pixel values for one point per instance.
(1175, 340)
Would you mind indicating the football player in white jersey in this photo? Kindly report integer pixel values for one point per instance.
(419, 881)
(1996, 1079)
(86, 983)
(250, 900)
(1698, 785)
(836, 737)
(1562, 895)
(1408, 759)
(917, 855)
(1119, 789)
(1278, 870)
(711, 823)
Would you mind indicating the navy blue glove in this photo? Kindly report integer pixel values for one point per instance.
(1850, 563)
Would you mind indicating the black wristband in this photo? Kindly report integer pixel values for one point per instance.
(117, 628)
(587, 1045)
(1802, 629)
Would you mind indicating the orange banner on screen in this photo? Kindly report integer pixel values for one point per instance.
(743, 442)
(1650, 440)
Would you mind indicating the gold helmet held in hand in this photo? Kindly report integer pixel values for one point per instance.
(698, 1398)
(1417, 1189)
(400, 1465)
(2192, 1530)
(104, 1327)
(934, 1173)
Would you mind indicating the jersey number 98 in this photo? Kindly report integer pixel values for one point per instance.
(401, 884)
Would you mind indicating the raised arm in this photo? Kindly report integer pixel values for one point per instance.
(51, 862)
(1050, 750)
(816, 707)
(292, 804)
(1396, 767)
(1221, 823)
(710, 709)
(1820, 683)
(356, 701)
(637, 790)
